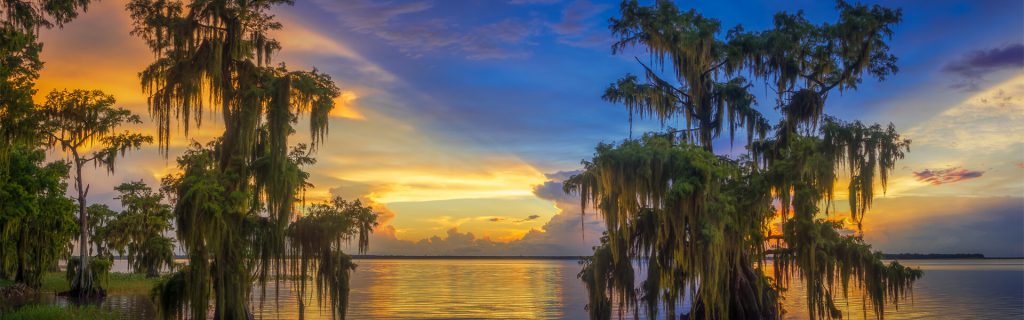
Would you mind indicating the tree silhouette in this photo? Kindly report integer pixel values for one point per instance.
(76, 122)
(236, 196)
(701, 223)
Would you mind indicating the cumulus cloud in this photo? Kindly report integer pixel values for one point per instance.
(567, 233)
(949, 175)
(354, 190)
(973, 67)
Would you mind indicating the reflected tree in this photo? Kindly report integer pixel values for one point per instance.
(704, 225)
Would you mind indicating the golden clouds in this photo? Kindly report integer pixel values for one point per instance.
(344, 106)
(95, 51)
(375, 139)
(990, 121)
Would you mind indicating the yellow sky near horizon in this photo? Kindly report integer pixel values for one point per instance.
(380, 149)
(401, 162)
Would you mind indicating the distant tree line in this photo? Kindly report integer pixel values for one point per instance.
(910, 256)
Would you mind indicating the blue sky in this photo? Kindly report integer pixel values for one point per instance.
(460, 118)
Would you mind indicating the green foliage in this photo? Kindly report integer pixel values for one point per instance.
(55, 312)
(236, 196)
(317, 240)
(699, 223)
(116, 282)
(99, 271)
(79, 119)
(20, 21)
(100, 216)
(36, 219)
(170, 295)
(139, 228)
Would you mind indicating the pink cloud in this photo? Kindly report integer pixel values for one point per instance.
(943, 176)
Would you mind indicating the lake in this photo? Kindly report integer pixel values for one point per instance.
(548, 289)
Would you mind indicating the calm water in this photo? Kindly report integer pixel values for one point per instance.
(530, 289)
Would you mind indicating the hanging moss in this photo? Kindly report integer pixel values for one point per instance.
(701, 223)
(317, 239)
(237, 195)
(99, 270)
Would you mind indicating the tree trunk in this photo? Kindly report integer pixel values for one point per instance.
(745, 303)
(83, 283)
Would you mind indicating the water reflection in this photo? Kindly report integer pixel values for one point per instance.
(442, 289)
(950, 289)
(548, 289)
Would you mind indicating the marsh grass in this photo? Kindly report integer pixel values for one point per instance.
(116, 282)
(48, 312)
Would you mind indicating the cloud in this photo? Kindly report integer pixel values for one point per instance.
(992, 226)
(502, 219)
(943, 176)
(299, 39)
(988, 122)
(528, 2)
(973, 67)
(566, 233)
(354, 190)
(578, 26)
(402, 26)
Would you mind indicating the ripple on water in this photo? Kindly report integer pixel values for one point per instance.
(548, 289)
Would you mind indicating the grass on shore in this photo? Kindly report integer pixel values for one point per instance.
(116, 283)
(54, 312)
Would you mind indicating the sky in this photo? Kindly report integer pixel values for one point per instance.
(458, 120)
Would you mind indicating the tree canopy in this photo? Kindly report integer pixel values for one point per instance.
(78, 121)
(20, 22)
(139, 228)
(701, 223)
(236, 196)
(37, 220)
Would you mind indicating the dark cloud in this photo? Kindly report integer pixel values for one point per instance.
(496, 219)
(973, 67)
(532, 217)
(943, 176)
(402, 26)
(552, 189)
